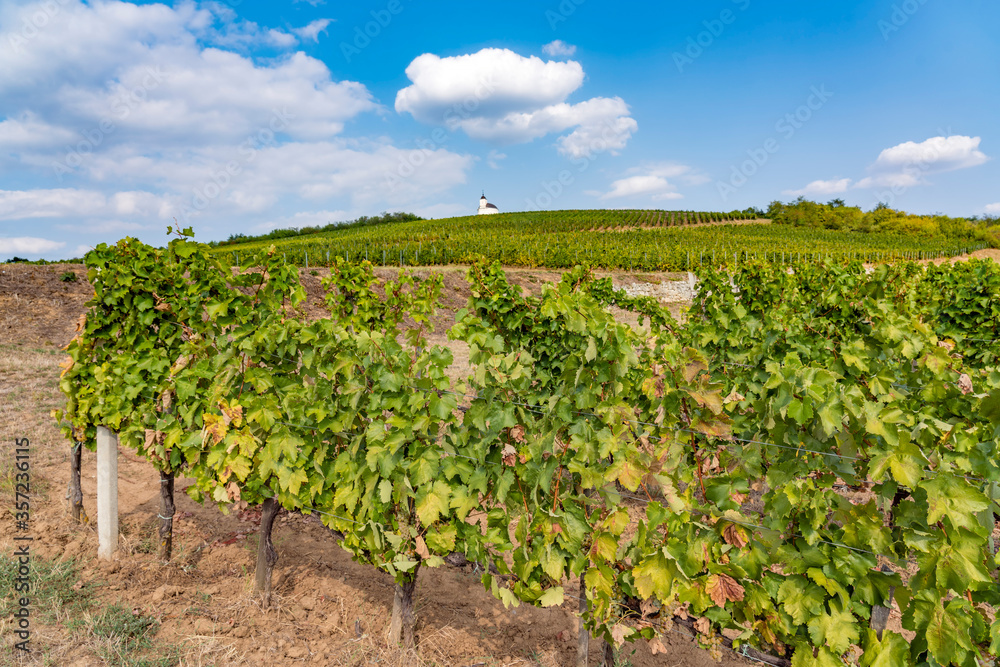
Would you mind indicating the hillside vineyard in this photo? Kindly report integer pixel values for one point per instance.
(612, 239)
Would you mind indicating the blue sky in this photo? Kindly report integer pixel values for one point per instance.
(244, 116)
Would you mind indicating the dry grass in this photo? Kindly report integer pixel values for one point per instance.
(29, 391)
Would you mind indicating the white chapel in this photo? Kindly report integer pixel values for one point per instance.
(486, 208)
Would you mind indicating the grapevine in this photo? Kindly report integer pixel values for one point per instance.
(699, 473)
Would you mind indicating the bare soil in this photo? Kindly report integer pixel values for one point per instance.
(327, 609)
(985, 253)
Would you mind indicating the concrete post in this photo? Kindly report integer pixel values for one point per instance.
(107, 493)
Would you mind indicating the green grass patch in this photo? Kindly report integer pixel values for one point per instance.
(124, 637)
(119, 636)
(56, 588)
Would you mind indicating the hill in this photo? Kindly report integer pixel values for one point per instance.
(650, 240)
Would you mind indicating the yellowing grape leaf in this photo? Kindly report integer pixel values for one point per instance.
(654, 576)
(553, 597)
(838, 630)
(422, 549)
(291, 479)
(620, 632)
(432, 502)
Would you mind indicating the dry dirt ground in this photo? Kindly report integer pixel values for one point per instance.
(328, 610)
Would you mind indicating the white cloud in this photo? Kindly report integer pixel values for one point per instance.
(942, 153)
(490, 81)
(447, 210)
(104, 227)
(305, 219)
(24, 204)
(652, 180)
(76, 203)
(29, 131)
(365, 174)
(898, 181)
(822, 188)
(558, 48)
(908, 164)
(499, 96)
(149, 112)
(494, 159)
(604, 134)
(145, 72)
(28, 245)
(993, 209)
(641, 185)
(313, 30)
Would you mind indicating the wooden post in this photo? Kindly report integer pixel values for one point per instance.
(880, 614)
(107, 493)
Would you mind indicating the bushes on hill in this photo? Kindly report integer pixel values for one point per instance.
(363, 221)
(882, 219)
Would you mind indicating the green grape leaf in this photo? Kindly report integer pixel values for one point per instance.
(905, 463)
(891, 651)
(801, 598)
(954, 498)
(948, 637)
(803, 657)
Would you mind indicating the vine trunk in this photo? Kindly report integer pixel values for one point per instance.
(402, 627)
(167, 510)
(266, 555)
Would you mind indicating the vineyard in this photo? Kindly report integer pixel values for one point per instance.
(639, 240)
(816, 445)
